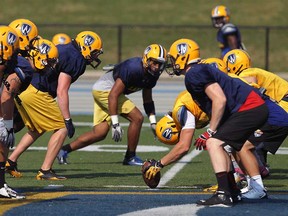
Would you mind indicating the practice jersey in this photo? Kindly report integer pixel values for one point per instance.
(223, 32)
(132, 74)
(275, 86)
(22, 68)
(235, 90)
(183, 103)
(71, 62)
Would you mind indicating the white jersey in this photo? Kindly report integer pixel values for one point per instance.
(105, 82)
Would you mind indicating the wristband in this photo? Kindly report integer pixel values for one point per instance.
(114, 119)
(9, 124)
(152, 119)
(211, 131)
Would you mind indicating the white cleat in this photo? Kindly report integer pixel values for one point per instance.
(7, 192)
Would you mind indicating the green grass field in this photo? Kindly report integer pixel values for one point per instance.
(72, 16)
(104, 170)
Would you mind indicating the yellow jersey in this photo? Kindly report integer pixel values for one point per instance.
(184, 99)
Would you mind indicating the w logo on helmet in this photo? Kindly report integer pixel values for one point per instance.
(232, 58)
(11, 38)
(147, 50)
(25, 29)
(167, 133)
(44, 48)
(182, 48)
(88, 40)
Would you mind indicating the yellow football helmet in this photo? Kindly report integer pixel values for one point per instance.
(44, 54)
(166, 130)
(9, 43)
(26, 31)
(90, 45)
(182, 53)
(154, 59)
(220, 15)
(61, 38)
(216, 62)
(237, 60)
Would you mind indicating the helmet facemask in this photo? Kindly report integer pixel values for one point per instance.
(155, 67)
(93, 57)
(176, 69)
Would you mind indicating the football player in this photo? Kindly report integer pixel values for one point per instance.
(270, 138)
(228, 102)
(110, 101)
(228, 35)
(61, 38)
(16, 74)
(73, 59)
(27, 31)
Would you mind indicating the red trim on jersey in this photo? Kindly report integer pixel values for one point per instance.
(252, 101)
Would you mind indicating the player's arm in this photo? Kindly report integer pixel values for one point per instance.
(218, 98)
(181, 148)
(232, 41)
(11, 88)
(117, 89)
(64, 82)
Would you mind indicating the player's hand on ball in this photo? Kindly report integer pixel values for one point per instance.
(151, 172)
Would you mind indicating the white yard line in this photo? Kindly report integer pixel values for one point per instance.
(172, 172)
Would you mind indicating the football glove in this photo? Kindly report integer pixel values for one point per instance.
(117, 132)
(70, 127)
(10, 138)
(153, 169)
(200, 142)
(153, 129)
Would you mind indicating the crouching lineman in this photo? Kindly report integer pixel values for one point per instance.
(110, 101)
(16, 74)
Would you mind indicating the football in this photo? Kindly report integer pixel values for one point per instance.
(153, 182)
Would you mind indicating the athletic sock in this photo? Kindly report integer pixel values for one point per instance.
(130, 154)
(223, 182)
(258, 180)
(67, 148)
(2, 174)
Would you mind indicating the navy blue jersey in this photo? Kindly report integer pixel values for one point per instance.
(224, 31)
(22, 68)
(235, 90)
(133, 75)
(71, 62)
(277, 115)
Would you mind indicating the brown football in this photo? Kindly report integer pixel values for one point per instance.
(153, 182)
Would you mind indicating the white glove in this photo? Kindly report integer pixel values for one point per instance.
(117, 131)
(152, 120)
(10, 138)
(3, 130)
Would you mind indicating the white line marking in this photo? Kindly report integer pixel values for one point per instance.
(172, 172)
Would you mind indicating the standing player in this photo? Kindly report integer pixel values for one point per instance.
(61, 38)
(73, 58)
(16, 74)
(239, 63)
(110, 101)
(228, 35)
(228, 102)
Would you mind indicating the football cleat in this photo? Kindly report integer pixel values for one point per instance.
(62, 157)
(49, 175)
(7, 192)
(133, 161)
(213, 188)
(219, 199)
(254, 193)
(11, 168)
